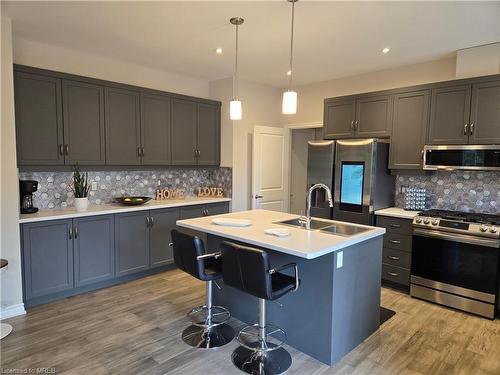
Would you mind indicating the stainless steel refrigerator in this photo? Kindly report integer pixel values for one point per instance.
(357, 169)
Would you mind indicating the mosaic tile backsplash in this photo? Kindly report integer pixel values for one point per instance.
(456, 190)
(54, 188)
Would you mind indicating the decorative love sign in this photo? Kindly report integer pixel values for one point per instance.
(163, 194)
(215, 192)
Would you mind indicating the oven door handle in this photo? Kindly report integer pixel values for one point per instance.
(458, 238)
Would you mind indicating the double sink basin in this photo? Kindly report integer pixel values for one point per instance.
(340, 229)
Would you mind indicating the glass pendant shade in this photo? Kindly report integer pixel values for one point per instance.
(289, 105)
(235, 110)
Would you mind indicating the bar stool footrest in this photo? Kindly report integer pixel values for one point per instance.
(199, 316)
(248, 337)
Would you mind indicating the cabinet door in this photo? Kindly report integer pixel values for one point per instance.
(411, 115)
(94, 245)
(48, 257)
(132, 243)
(217, 208)
(208, 135)
(184, 119)
(374, 116)
(39, 129)
(123, 131)
(83, 118)
(338, 119)
(155, 129)
(163, 221)
(485, 113)
(450, 108)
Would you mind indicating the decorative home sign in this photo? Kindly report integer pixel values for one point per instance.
(215, 192)
(164, 194)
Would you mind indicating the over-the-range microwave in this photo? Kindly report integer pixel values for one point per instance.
(468, 157)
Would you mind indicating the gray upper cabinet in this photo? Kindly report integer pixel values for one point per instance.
(450, 108)
(94, 246)
(184, 121)
(83, 118)
(155, 130)
(339, 117)
(373, 116)
(484, 125)
(48, 258)
(162, 222)
(208, 134)
(132, 242)
(123, 133)
(410, 118)
(39, 127)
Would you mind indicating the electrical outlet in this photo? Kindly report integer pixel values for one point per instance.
(403, 189)
(94, 185)
(340, 259)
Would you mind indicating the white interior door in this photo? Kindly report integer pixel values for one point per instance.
(270, 162)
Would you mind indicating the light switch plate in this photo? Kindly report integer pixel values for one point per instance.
(340, 259)
(94, 185)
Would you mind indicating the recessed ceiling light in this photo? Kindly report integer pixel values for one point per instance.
(289, 73)
(218, 51)
(386, 49)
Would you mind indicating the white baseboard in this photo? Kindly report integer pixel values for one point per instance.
(11, 311)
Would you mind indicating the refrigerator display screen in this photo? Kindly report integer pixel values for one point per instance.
(351, 186)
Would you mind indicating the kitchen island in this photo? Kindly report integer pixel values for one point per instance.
(337, 305)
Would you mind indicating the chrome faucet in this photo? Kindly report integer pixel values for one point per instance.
(309, 195)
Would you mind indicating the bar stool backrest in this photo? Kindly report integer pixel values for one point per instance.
(247, 269)
(186, 249)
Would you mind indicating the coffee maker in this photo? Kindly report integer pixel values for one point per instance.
(27, 188)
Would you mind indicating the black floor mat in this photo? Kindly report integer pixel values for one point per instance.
(385, 314)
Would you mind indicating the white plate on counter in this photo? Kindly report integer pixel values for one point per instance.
(278, 232)
(232, 222)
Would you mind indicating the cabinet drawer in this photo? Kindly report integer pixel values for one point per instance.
(398, 241)
(395, 274)
(397, 258)
(394, 224)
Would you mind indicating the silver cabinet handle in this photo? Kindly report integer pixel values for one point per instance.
(396, 242)
(395, 225)
(352, 125)
(142, 151)
(75, 233)
(471, 130)
(171, 244)
(422, 154)
(258, 196)
(392, 257)
(70, 232)
(61, 151)
(466, 126)
(66, 149)
(138, 151)
(392, 273)
(207, 212)
(151, 221)
(147, 221)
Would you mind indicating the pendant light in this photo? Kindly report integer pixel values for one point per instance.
(289, 105)
(235, 112)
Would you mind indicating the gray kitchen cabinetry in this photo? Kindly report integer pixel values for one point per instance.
(83, 119)
(208, 134)
(39, 126)
(396, 261)
(123, 132)
(155, 130)
(132, 242)
(364, 116)
(485, 113)
(410, 119)
(94, 246)
(162, 221)
(47, 257)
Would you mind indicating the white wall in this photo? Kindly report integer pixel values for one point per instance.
(11, 288)
(47, 56)
(310, 97)
(478, 61)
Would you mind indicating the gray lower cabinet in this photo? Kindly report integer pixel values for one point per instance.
(132, 242)
(83, 118)
(485, 113)
(39, 126)
(162, 222)
(123, 132)
(94, 246)
(410, 119)
(48, 258)
(155, 130)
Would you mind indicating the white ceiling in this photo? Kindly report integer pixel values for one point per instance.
(333, 39)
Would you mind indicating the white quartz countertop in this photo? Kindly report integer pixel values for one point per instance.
(303, 243)
(114, 208)
(397, 212)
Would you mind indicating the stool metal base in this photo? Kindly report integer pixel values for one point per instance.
(256, 362)
(200, 337)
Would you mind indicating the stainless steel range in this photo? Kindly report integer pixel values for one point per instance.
(455, 260)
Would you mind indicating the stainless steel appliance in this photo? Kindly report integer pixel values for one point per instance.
(320, 161)
(455, 260)
(26, 190)
(468, 157)
(362, 181)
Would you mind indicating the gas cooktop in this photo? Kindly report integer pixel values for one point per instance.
(469, 217)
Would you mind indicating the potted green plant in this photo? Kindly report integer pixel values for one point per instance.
(81, 188)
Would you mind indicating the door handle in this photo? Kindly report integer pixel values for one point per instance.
(471, 129)
(258, 196)
(466, 126)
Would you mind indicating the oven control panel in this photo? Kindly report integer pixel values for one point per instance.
(456, 226)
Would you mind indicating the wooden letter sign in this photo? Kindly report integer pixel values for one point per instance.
(214, 192)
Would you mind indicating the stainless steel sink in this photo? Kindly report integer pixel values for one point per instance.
(298, 222)
(344, 229)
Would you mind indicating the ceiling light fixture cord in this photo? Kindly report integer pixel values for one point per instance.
(235, 83)
(291, 47)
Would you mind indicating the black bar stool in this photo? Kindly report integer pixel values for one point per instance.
(209, 328)
(248, 269)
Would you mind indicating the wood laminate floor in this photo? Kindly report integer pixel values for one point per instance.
(135, 328)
